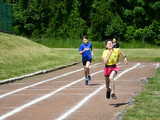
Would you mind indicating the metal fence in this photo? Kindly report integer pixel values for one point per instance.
(5, 17)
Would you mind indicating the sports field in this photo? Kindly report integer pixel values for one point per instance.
(50, 50)
(62, 94)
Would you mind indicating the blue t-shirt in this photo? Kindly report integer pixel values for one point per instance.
(87, 54)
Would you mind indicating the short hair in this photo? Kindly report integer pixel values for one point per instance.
(85, 36)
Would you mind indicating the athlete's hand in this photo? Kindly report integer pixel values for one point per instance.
(92, 53)
(125, 61)
(85, 49)
(109, 53)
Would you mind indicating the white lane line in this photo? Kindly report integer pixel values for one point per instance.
(20, 108)
(44, 81)
(77, 106)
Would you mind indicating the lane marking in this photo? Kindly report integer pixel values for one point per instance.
(44, 81)
(77, 106)
(20, 108)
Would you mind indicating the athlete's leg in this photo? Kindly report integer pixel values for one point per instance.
(112, 80)
(108, 90)
(85, 64)
(88, 63)
(107, 82)
(85, 72)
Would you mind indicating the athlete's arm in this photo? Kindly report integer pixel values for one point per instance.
(82, 51)
(124, 56)
(91, 50)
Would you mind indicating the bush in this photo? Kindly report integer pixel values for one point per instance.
(129, 34)
(155, 27)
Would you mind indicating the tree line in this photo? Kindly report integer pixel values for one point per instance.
(127, 20)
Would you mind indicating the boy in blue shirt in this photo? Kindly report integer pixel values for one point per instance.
(85, 50)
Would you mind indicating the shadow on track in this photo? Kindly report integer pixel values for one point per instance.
(119, 104)
(94, 84)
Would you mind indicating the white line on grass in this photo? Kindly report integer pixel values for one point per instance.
(77, 106)
(44, 81)
(20, 108)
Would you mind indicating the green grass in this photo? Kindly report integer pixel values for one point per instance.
(19, 56)
(58, 43)
(68, 43)
(136, 44)
(144, 54)
(147, 104)
(74, 43)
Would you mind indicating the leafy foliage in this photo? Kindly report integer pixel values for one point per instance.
(126, 20)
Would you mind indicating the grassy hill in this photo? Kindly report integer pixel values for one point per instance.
(19, 55)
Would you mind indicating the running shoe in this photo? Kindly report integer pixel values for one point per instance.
(89, 77)
(113, 95)
(86, 81)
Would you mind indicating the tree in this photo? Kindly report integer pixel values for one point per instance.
(100, 17)
(156, 8)
(129, 33)
(128, 16)
(116, 28)
(139, 15)
(155, 27)
(75, 24)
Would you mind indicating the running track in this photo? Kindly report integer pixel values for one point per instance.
(62, 94)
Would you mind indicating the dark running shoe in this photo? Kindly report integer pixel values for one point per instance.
(114, 96)
(86, 81)
(89, 77)
(108, 93)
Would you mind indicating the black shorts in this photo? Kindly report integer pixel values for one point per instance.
(85, 61)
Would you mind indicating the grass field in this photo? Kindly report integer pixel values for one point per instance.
(19, 56)
(59, 43)
(147, 104)
(74, 43)
(136, 44)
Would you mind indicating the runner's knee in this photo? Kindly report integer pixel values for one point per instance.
(112, 75)
(87, 64)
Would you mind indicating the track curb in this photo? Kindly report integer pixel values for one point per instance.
(36, 73)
